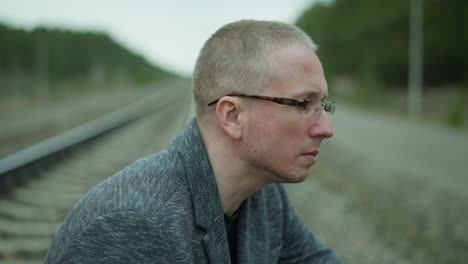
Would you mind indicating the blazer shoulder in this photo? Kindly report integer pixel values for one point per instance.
(150, 181)
(151, 187)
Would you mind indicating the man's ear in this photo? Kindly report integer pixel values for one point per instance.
(228, 112)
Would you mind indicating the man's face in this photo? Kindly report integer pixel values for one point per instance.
(279, 142)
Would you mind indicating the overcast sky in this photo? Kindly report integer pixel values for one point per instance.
(168, 33)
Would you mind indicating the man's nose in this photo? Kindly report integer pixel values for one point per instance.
(322, 127)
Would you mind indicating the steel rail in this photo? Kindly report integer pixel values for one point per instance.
(16, 168)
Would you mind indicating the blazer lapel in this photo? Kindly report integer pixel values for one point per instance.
(215, 242)
(206, 201)
(252, 240)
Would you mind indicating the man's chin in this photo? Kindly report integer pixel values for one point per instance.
(296, 178)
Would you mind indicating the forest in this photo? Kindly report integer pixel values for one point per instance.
(363, 37)
(364, 47)
(54, 57)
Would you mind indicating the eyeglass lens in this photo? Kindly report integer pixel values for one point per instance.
(315, 107)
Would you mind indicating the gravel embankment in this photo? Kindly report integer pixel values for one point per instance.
(404, 181)
(337, 223)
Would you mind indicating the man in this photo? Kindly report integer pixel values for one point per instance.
(214, 196)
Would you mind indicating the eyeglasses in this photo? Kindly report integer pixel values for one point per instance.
(311, 106)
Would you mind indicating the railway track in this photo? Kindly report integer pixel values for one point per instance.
(33, 207)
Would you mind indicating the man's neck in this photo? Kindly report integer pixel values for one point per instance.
(235, 181)
(234, 189)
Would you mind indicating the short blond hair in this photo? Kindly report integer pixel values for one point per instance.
(236, 58)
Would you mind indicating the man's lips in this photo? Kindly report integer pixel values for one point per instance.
(311, 155)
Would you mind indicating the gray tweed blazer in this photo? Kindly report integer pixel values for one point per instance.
(166, 208)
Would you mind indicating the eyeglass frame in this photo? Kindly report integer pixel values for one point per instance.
(291, 102)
